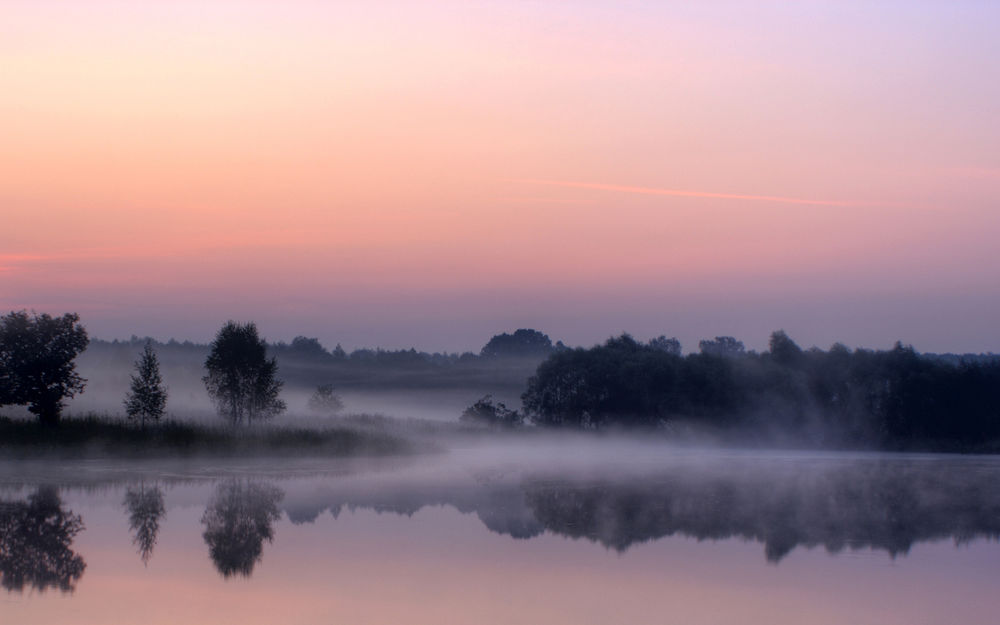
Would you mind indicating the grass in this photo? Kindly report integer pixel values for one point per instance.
(94, 434)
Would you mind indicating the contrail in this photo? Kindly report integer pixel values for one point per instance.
(684, 193)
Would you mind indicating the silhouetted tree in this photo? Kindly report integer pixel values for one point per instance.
(35, 540)
(325, 401)
(523, 343)
(669, 345)
(36, 361)
(145, 508)
(722, 346)
(494, 414)
(147, 397)
(237, 521)
(783, 349)
(622, 382)
(892, 399)
(302, 348)
(241, 379)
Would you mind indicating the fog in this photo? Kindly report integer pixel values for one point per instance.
(617, 492)
(428, 392)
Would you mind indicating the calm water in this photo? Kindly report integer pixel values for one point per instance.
(574, 534)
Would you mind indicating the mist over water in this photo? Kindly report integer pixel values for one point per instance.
(631, 518)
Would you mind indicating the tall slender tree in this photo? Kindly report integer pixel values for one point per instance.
(147, 398)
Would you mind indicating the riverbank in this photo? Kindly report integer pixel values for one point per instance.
(92, 435)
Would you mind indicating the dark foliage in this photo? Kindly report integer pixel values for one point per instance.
(890, 399)
(494, 414)
(669, 345)
(36, 361)
(241, 378)
(722, 346)
(524, 343)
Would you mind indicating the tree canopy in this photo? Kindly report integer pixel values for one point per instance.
(241, 378)
(889, 399)
(37, 369)
(523, 343)
(487, 412)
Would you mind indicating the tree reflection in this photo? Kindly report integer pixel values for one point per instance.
(35, 540)
(862, 505)
(237, 521)
(782, 503)
(145, 508)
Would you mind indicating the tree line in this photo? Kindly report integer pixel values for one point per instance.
(893, 398)
(890, 398)
(37, 370)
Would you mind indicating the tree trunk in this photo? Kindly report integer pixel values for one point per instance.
(48, 416)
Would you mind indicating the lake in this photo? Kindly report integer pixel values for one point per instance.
(585, 532)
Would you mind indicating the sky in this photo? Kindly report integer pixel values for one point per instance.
(429, 174)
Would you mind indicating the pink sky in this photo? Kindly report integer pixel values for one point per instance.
(432, 173)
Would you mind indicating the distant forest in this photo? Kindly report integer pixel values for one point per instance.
(505, 361)
(519, 351)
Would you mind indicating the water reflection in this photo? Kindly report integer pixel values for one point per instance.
(238, 519)
(145, 508)
(887, 509)
(35, 540)
(883, 506)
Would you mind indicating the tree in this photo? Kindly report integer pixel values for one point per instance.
(722, 346)
(306, 347)
(670, 345)
(325, 401)
(147, 398)
(241, 378)
(523, 343)
(36, 361)
(783, 349)
(622, 383)
(494, 414)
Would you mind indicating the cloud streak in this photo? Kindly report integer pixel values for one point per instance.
(695, 194)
